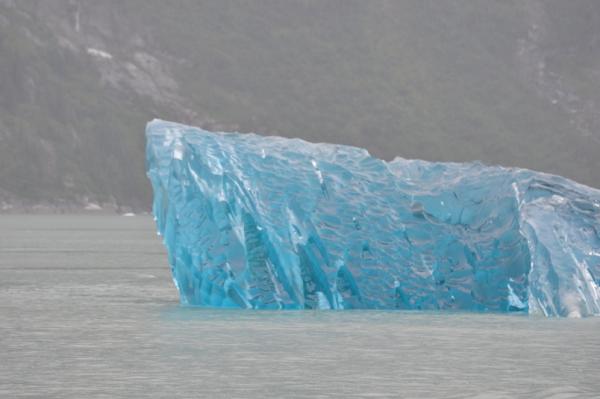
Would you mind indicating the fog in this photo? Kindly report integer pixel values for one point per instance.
(510, 83)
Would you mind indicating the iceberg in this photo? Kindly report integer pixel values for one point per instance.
(274, 223)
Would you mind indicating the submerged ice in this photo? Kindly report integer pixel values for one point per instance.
(268, 222)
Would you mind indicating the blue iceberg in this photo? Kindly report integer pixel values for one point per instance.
(275, 223)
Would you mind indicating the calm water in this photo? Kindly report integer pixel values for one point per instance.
(88, 310)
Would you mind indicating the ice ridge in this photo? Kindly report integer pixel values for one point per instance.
(268, 222)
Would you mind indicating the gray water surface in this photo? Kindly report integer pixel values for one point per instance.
(88, 310)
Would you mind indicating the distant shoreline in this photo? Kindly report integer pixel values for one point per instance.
(69, 208)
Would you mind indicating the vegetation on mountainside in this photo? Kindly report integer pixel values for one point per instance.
(450, 81)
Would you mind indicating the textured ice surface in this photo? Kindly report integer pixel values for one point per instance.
(268, 222)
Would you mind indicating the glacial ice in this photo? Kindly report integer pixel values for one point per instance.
(272, 223)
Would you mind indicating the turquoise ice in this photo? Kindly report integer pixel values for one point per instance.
(268, 222)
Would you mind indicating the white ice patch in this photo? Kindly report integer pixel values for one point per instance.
(178, 151)
(323, 302)
(99, 53)
(514, 300)
(517, 194)
(317, 170)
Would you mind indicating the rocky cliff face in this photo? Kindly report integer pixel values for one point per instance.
(510, 83)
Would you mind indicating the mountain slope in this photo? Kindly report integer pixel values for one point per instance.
(514, 83)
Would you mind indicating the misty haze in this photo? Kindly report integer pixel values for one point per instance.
(299, 198)
(514, 83)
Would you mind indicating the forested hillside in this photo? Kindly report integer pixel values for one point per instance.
(515, 83)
